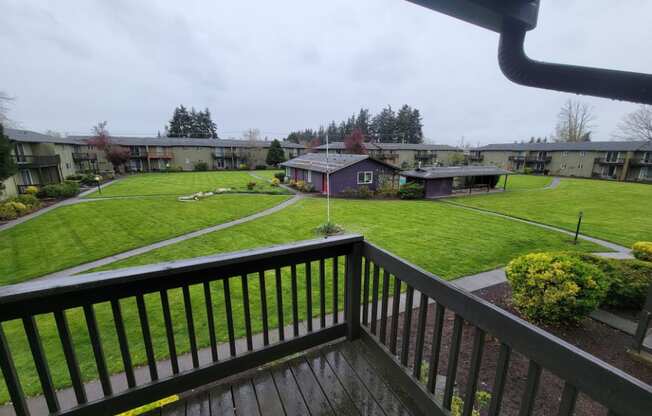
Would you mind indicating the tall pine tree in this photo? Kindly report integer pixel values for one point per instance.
(7, 163)
(275, 154)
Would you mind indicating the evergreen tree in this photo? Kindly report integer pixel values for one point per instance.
(415, 133)
(174, 126)
(275, 154)
(384, 125)
(402, 125)
(362, 122)
(332, 131)
(7, 163)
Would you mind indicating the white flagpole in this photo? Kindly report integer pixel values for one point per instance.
(328, 185)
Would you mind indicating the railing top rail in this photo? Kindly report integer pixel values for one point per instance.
(586, 372)
(37, 290)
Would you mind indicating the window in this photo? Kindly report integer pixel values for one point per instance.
(365, 177)
(309, 177)
(580, 166)
(564, 154)
(644, 173)
(563, 166)
(582, 154)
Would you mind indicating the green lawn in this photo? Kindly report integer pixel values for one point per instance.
(523, 182)
(80, 233)
(614, 211)
(186, 183)
(267, 174)
(447, 240)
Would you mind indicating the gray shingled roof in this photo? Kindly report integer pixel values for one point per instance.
(27, 136)
(392, 146)
(317, 162)
(623, 146)
(453, 171)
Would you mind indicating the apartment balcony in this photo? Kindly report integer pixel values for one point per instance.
(516, 158)
(138, 155)
(538, 159)
(386, 157)
(31, 161)
(159, 155)
(641, 162)
(369, 356)
(475, 158)
(82, 157)
(606, 161)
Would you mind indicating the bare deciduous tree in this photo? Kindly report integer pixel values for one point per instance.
(636, 125)
(5, 99)
(252, 135)
(574, 122)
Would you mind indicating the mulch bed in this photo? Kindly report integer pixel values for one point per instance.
(604, 342)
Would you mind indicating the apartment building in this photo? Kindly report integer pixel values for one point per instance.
(616, 160)
(44, 159)
(404, 155)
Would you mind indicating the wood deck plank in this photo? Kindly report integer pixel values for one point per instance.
(198, 405)
(221, 401)
(360, 396)
(289, 391)
(335, 392)
(244, 399)
(174, 409)
(268, 398)
(383, 394)
(310, 389)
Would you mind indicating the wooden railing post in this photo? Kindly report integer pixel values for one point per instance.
(353, 284)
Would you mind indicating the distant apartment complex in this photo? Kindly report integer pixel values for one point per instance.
(404, 155)
(44, 159)
(623, 161)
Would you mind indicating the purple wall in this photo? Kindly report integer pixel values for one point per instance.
(438, 187)
(348, 177)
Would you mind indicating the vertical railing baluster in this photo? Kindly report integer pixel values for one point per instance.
(309, 296)
(499, 381)
(229, 315)
(353, 281)
(453, 356)
(263, 306)
(568, 398)
(279, 305)
(41, 363)
(295, 300)
(335, 291)
(474, 372)
(322, 294)
(147, 337)
(69, 353)
(11, 377)
(210, 320)
(98, 352)
(123, 342)
(169, 331)
(531, 387)
(407, 325)
(365, 293)
(435, 347)
(247, 312)
(190, 322)
(396, 304)
(384, 307)
(374, 299)
(421, 332)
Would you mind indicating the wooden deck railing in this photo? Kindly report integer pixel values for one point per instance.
(215, 278)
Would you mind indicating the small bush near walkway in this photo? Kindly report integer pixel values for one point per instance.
(66, 189)
(411, 190)
(18, 206)
(201, 167)
(280, 176)
(642, 250)
(555, 288)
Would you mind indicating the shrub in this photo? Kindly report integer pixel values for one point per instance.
(329, 228)
(90, 180)
(260, 167)
(362, 192)
(243, 166)
(27, 199)
(411, 190)
(275, 182)
(31, 190)
(251, 185)
(280, 176)
(201, 167)
(7, 212)
(65, 189)
(528, 171)
(555, 288)
(642, 250)
(629, 280)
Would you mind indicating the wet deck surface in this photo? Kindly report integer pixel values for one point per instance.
(338, 379)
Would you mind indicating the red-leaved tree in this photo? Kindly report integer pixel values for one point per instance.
(116, 155)
(354, 142)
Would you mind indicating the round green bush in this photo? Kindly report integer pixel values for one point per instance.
(642, 250)
(411, 190)
(555, 288)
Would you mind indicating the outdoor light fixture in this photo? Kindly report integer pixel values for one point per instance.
(98, 179)
(511, 19)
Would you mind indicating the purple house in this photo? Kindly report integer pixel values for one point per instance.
(347, 172)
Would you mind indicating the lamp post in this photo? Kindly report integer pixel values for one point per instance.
(167, 167)
(98, 178)
(579, 222)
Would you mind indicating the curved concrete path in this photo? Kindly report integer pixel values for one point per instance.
(555, 183)
(141, 250)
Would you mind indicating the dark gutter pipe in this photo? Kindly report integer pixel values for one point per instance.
(606, 83)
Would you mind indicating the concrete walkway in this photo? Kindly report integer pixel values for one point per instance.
(141, 250)
(555, 183)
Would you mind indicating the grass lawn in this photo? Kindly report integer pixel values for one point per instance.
(614, 211)
(186, 183)
(447, 240)
(523, 182)
(267, 174)
(76, 234)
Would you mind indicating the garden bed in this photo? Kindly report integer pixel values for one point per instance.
(604, 342)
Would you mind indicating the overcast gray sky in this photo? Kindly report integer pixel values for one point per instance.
(292, 64)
